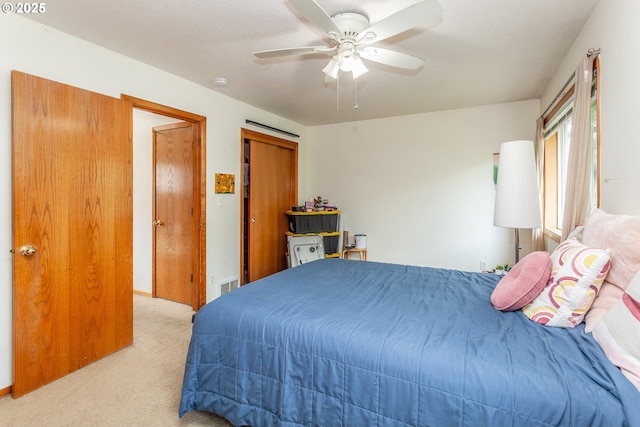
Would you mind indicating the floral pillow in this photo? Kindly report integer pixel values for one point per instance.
(618, 333)
(576, 276)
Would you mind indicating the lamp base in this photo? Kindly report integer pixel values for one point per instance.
(517, 245)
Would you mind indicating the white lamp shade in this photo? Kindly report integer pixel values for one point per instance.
(517, 197)
(332, 68)
(358, 68)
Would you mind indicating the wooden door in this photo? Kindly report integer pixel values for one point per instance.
(173, 212)
(272, 191)
(72, 229)
(199, 125)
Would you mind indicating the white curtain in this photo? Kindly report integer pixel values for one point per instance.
(577, 204)
(537, 234)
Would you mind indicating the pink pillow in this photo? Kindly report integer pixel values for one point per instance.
(620, 234)
(618, 333)
(523, 283)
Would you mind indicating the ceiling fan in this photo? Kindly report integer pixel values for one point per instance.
(350, 36)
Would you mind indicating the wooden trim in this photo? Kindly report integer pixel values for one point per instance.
(200, 192)
(560, 104)
(5, 391)
(163, 110)
(154, 201)
(268, 139)
(173, 126)
(201, 206)
(596, 64)
(144, 294)
(552, 234)
(551, 182)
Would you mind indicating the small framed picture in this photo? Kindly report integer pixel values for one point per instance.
(225, 183)
(308, 206)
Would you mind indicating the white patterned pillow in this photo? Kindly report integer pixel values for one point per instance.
(618, 333)
(577, 274)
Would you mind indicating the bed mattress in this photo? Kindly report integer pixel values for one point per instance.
(347, 343)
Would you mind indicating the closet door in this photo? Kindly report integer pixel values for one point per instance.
(272, 191)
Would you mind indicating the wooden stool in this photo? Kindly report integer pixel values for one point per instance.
(346, 252)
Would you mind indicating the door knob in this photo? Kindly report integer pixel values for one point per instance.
(27, 250)
(157, 223)
(253, 220)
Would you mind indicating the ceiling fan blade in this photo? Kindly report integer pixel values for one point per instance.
(276, 53)
(316, 15)
(391, 57)
(401, 21)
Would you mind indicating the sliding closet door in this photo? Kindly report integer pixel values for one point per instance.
(273, 178)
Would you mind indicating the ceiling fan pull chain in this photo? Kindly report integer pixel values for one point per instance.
(338, 92)
(355, 86)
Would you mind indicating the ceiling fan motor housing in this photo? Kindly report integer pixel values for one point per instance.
(351, 24)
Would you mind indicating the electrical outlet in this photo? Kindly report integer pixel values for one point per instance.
(483, 265)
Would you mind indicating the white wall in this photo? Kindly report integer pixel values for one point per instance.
(35, 49)
(421, 186)
(613, 27)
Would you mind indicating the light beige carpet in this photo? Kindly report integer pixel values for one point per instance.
(137, 386)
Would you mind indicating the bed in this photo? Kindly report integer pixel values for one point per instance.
(347, 343)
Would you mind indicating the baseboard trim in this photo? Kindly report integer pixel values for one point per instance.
(5, 391)
(144, 294)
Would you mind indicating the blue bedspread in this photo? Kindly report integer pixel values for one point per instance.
(348, 343)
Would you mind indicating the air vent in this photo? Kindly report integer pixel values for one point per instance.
(229, 285)
(224, 288)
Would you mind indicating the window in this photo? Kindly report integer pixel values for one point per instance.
(557, 134)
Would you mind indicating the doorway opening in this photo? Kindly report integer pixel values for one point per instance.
(150, 228)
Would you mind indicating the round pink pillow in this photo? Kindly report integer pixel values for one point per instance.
(523, 282)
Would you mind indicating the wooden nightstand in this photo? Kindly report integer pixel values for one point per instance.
(346, 252)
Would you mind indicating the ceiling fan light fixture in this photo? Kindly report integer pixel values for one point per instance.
(358, 68)
(346, 60)
(332, 68)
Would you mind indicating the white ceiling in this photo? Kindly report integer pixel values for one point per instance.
(481, 52)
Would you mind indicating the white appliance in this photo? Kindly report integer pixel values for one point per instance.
(304, 249)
